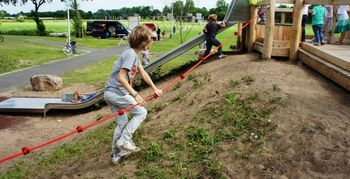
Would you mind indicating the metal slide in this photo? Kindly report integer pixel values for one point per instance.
(237, 11)
(43, 105)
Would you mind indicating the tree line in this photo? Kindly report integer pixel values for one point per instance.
(179, 7)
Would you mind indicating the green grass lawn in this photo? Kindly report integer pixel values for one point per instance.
(88, 41)
(16, 54)
(95, 74)
(51, 25)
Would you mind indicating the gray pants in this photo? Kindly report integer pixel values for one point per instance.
(328, 28)
(125, 128)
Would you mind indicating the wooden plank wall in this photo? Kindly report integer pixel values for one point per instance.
(282, 32)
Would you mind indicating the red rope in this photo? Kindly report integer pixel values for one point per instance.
(79, 129)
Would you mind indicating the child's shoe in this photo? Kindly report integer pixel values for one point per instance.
(116, 158)
(127, 145)
(222, 56)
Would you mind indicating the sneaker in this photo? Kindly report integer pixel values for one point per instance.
(222, 56)
(116, 158)
(128, 145)
(317, 44)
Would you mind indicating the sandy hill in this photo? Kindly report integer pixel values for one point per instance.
(232, 118)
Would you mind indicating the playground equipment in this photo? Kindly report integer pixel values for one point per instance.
(284, 40)
(43, 105)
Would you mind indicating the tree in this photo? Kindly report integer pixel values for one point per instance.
(189, 7)
(37, 4)
(77, 22)
(166, 10)
(3, 13)
(221, 8)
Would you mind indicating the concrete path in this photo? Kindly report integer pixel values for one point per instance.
(20, 79)
(61, 44)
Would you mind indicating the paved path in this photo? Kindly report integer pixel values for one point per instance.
(20, 79)
(51, 42)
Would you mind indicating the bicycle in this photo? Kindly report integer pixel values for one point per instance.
(1, 38)
(69, 48)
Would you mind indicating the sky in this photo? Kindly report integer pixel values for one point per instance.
(103, 4)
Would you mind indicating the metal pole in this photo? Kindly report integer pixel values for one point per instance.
(172, 19)
(68, 21)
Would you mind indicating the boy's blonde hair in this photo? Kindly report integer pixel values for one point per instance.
(212, 18)
(140, 37)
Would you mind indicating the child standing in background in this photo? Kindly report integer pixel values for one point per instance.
(318, 13)
(120, 94)
(343, 23)
(145, 57)
(211, 30)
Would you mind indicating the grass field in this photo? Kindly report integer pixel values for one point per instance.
(16, 54)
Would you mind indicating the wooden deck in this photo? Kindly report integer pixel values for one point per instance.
(333, 61)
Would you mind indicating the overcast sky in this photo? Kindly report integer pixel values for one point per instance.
(104, 4)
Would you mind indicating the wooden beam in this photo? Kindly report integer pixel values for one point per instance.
(267, 2)
(252, 28)
(331, 71)
(269, 31)
(283, 18)
(283, 10)
(327, 2)
(296, 29)
(276, 52)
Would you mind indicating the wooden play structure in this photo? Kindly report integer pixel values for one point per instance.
(283, 39)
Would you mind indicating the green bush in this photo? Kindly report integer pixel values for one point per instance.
(20, 20)
(20, 32)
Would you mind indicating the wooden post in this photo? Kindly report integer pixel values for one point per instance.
(333, 38)
(269, 31)
(296, 29)
(252, 30)
(283, 17)
(239, 37)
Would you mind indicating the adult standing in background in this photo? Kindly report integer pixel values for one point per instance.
(304, 21)
(342, 25)
(158, 33)
(328, 23)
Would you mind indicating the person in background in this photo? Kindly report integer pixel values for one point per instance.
(342, 25)
(158, 33)
(210, 31)
(164, 35)
(304, 21)
(328, 23)
(145, 57)
(318, 13)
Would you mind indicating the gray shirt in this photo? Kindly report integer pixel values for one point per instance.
(128, 60)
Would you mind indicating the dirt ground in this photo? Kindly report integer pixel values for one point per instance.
(311, 139)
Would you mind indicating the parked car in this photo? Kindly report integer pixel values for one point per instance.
(106, 29)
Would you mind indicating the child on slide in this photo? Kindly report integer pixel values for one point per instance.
(211, 30)
(120, 94)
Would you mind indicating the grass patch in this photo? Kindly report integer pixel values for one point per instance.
(96, 74)
(67, 154)
(275, 87)
(16, 54)
(248, 79)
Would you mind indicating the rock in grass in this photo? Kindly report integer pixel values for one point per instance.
(46, 82)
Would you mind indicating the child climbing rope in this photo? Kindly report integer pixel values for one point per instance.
(120, 94)
(211, 30)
